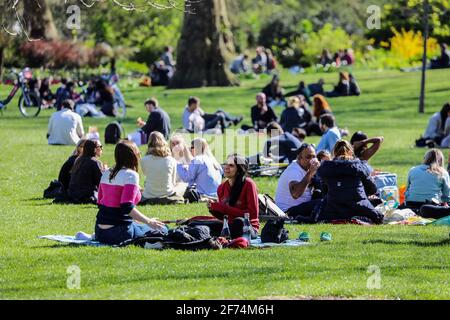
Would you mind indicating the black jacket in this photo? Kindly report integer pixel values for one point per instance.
(64, 173)
(158, 120)
(348, 184)
(294, 118)
(84, 181)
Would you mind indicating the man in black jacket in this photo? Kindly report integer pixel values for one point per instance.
(158, 120)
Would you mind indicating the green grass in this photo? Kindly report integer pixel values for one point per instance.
(413, 261)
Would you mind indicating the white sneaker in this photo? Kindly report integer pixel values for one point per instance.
(80, 235)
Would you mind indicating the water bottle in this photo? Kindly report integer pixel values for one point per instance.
(225, 229)
(246, 233)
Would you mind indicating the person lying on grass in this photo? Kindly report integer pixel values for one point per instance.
(236, 196)
(118, 219)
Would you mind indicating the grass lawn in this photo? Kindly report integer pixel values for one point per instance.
(413, 261)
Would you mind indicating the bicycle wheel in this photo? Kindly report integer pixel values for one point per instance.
(29, 107)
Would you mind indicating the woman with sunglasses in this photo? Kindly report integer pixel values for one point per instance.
(86, 173)
(204, 172)
(236, 196)
(118, 219)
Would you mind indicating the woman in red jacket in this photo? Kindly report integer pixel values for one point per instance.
(237, 195)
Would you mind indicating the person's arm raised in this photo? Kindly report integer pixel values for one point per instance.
(297, 188)
(370, 152)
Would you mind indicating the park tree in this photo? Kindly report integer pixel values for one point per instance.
(205, 46)
(39, 20)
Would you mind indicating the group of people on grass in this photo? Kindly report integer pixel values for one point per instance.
(330, 181)
(343, 57)
(276, 96)
(263, 62)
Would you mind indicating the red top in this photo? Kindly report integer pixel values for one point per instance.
(247, 202)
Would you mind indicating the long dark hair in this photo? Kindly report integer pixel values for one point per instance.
(444, 114)
(88, 153)
(126, 155)
(241, 175)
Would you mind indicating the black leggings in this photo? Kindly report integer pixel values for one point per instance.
(434, 212)
(427, 210)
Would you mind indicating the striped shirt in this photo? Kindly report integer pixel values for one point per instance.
(116, 198)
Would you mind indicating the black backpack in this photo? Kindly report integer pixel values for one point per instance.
(274, 232)
(54, 190)
(114, 132)
(191, 195)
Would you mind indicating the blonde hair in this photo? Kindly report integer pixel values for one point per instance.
(294, 102)
(157, 145)
(182, 154)
(201, 147)
(343, 150)
(434, 158)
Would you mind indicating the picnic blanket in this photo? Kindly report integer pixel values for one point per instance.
(254, 243)
(289, 243)
(73, 240)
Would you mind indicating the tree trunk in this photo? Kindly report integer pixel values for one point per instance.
(205, 46)
(2, 51)
(39, 20)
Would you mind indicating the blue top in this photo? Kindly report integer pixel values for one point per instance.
(329, 139)
(203, 174)
(424, 185)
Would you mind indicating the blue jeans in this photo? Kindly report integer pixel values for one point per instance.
(121, 233)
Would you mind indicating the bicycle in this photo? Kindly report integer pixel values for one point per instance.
(29, 101)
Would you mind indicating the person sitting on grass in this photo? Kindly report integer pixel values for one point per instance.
(196, 120)
(261, 114)
(295, 186)
(64, 172)
(118, 219)
(429, 184)
(331, 133)
(65, 127)
(438, 129)
(281, 146)
(360, 143)
(180, 151)
(302, 90)
(320, 107)
(443, 61)
(342, 89)
(160, 170)
(204, 172)
(274, 93)
(86, 173)
(296, 115)
(347, 184)
(236, 196)
(158, 120)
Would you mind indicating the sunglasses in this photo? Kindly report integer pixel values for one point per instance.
(100, 146)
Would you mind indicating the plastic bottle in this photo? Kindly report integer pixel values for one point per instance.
(246, 233)
(225, 229)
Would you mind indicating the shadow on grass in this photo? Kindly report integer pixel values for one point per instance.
(444, 242)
